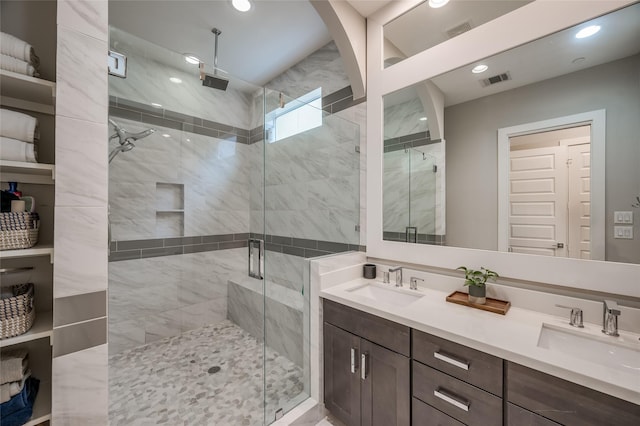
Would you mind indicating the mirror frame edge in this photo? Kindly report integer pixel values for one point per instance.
(553, 16)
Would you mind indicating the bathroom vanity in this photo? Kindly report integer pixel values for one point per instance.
(416, 360)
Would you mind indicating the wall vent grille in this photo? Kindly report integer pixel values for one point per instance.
(456, 31)
(499, 78)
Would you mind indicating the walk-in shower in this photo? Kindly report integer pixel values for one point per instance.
(193, 339)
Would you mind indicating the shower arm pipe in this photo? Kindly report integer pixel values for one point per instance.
(216, 32)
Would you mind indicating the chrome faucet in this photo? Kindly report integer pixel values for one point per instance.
(413, 283)
(398, 272)
(610, 313)
(575, 318)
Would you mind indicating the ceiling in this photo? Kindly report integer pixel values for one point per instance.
(255, 46)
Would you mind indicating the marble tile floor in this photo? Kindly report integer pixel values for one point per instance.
(167, 382)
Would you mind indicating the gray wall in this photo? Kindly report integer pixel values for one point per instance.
(471, 135)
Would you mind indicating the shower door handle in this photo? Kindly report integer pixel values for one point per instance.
(256, 258)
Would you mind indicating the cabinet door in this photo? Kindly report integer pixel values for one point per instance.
(517, 416)
(342, 374)
(386, 387)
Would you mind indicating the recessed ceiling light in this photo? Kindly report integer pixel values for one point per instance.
(423, 119)
(155, 105)
(479, 68)
(194, 60)
(175, 80)
(437, 3)
(166, 135)
(242, 5)
(588, 31)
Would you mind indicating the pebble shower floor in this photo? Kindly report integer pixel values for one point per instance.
(168, 382)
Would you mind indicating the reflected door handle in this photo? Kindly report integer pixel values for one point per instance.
(256, 258)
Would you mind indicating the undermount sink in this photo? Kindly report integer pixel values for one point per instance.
(385, 294)
(618, 353)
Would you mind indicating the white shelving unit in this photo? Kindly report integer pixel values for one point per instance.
(28, 93)
(37, 96)
(42, 328)
(38, 250)
(18, 171)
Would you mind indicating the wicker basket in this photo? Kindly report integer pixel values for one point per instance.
(17, 313)
(18, 230)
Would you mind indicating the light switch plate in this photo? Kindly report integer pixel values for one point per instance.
(623, 232)
(622, 217)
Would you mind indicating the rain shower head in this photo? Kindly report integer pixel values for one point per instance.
(214, 80)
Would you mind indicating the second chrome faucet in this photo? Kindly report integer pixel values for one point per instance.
(397, 270)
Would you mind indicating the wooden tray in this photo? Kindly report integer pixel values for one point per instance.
(493, 305)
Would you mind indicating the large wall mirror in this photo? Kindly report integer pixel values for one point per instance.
(496, 138)
(435, 21)
(542, 148)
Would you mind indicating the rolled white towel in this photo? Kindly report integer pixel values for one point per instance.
(17, 125)
(12, 64)
(15, 150)
(19, 49)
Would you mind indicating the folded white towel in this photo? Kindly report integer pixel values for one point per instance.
(13, 365)
(12, 64)
(9, 390)
(17, 125)
(15, 150)
(16, 48)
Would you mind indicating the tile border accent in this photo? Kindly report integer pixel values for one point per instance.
(409, 141)
(304, 247)
(432, 239)
(77, 337)
(143, 113)
(170, 246)
(78, 308)
(156, 247)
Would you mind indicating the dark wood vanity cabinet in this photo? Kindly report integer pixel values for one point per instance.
(412, 377)
(365, 383)
(565, 402)
(463, 383)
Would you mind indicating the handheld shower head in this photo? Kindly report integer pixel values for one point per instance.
(125, 139)
(140, 135)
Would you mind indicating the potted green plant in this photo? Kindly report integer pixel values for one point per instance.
(477, 282)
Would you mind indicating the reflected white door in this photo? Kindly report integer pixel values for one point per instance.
(538, 201)
(579, 202)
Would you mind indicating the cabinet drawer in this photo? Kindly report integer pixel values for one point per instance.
(517, 416)
(375, 329)
(565, 402)
(470, 365)
(426, 415)
(460, 400)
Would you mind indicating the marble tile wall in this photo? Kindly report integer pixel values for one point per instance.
(323, 68)
(79, 377)
(158, 297)
(413, 195)
(148, 82)
(212, 173)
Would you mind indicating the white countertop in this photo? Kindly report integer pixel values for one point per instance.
(513, 336)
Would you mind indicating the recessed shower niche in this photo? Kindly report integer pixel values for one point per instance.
(169, 209)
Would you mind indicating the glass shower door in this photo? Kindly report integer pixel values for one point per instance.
(311, 208)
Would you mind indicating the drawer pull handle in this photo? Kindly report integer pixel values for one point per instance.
(363, 366)
(451, 399)
(354, 365)
(451, 360)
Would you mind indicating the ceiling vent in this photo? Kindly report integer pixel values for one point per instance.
(456, 31)
(505, 76)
